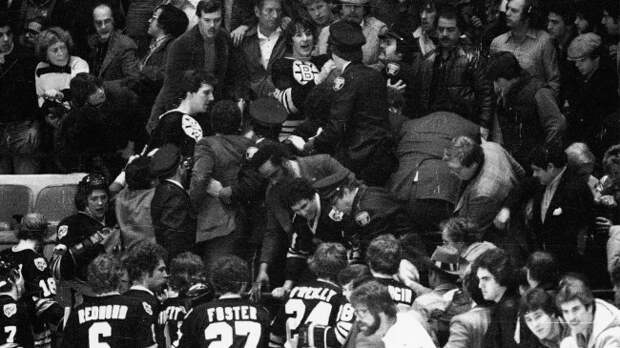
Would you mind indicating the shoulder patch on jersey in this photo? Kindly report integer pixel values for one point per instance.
(304, 71)
(362, 218)
(62, 231)
(191, 127)
(338, 83)
(147, 308)
(40, 263)
(249, 153)
(9, 309)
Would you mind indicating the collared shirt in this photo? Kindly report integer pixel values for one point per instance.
(152, 48)
(426, 44)
(267, 43)
(141, 288)
(176, 183)
(535, 53)
(548, 195)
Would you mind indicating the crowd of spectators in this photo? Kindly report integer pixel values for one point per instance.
(315, 173)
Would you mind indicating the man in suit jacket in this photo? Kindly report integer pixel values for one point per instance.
(220, 226)
(204, 47)
(112, 55)
(173, 218)
(491, 181)
(561, 209)
(422, 179)
(263, 45)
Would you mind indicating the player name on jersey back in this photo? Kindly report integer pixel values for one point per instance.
(313, 293)
(105, 312)
(232, 313)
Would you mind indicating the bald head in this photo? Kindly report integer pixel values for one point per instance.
(103, 21)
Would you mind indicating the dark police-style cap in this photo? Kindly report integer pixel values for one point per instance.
(346, 36)
(267, 112)
(165, 160)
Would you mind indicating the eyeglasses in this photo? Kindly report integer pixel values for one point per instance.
(31, 32)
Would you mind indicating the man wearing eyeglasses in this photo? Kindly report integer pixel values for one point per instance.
(112, 55)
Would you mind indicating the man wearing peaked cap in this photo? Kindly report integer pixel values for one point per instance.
(267, 116)
(357, 12)
(594, 96)
(357, 132)
(174, 220)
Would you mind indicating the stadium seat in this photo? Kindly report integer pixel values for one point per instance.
(55, 202)
(14, 200)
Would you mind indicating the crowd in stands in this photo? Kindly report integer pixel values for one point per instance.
(315, 173)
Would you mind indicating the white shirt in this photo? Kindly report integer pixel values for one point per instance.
(548, 195)
(407, 332)
(313, 224)
(267, 43)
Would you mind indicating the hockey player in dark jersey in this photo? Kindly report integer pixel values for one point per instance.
(228, 321)
(108, 319)
(311, 226)
(40, 286)
(187, 288)
(383, 257)
(15, 328)
(147, 272)
(180, 126)
(316, 313)
(81, 238)
(296, 74)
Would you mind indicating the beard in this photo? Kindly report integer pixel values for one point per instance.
(370, 329)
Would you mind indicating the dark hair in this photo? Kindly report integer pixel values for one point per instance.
(276, 153)
(225, 117)
(142, 258)
(470, 285)
(574, 287)
(466, 150)
(564, 9)
(33, 226)
(229, 274)
(535, 299)
(450, 12)
(543, 267)
(138, 174)
(298, 24)
(460, 229)
(376, 297)
(86, 186)
(499, 264)
(208, 6)
(172, 20)
(194, 79)
(328, 260)
(82, 86)
(503, 65)
(104, 273)
(591, 12)
(296, 190)
(186, 269)
(541, 156)
(352, 273)
(6, 22)
(383, 254)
